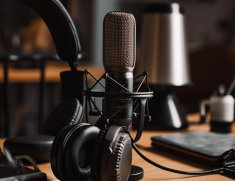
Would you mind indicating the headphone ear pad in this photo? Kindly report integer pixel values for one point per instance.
(78, 153)
(97, 155)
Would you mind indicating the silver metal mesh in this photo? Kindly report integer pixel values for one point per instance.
(119, 40)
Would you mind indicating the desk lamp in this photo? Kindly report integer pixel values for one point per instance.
(163, 54)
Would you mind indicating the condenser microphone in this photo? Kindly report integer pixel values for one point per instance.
(119, 62)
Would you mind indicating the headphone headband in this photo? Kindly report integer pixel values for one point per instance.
(60, 25)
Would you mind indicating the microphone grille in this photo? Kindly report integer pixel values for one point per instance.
(119, 40)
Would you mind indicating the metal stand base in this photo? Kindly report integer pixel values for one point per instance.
(137, 173)
(165, 110)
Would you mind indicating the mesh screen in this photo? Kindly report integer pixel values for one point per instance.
(119, 40)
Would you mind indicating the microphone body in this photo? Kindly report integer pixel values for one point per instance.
(119, 61)
(112, 105)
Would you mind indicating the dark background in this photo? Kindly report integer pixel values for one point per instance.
(210, 32)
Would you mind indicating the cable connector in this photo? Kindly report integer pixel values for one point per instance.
(223, 159)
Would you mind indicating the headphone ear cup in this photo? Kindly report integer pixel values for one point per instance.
(97, 155)
(112, 156)
(67, 112)
(78, 153)
(57, 149)
(54, 150)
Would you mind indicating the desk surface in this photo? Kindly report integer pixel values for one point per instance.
(166, 159)
(52, 73)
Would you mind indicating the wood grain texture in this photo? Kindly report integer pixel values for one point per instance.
(165, 159)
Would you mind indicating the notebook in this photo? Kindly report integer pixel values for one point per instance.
(206, 147)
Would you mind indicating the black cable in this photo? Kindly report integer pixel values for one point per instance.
(217, 170)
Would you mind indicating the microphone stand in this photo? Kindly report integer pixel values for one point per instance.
(141, 98)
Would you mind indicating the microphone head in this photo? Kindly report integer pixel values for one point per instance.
(119, 40)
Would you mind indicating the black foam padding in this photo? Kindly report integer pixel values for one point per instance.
(67, 112)
(38, 147)
(58, 146)
(60, 25)
(97, 155)
(78, 153)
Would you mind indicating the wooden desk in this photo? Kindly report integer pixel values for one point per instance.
(52, 73)
(166, 159)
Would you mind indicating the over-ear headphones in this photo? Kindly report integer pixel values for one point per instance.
(70, 111)
(84, 152)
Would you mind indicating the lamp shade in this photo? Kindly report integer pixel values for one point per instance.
(163, 46)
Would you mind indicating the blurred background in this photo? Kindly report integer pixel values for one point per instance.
(210, 29)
